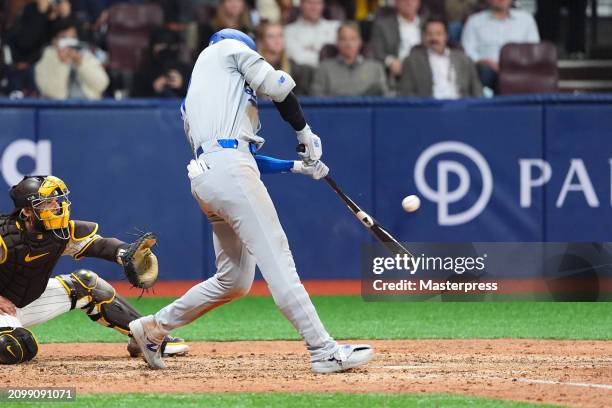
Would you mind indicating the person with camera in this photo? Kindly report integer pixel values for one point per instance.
(67, 69)
(162, 74)
(27, 38)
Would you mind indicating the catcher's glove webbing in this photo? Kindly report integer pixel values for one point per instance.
(139, 262)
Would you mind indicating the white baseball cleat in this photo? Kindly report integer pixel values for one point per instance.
(348, 356)
(151, 352)
(170, 347)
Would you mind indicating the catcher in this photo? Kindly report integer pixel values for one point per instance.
(32, 238)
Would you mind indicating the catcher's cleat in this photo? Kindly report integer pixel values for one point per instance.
(170, 347)
(151, 351)
(348, 356)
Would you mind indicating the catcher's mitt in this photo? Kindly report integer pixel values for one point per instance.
(139, 262)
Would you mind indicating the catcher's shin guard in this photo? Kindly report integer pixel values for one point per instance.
(103, 305)
(17, 345)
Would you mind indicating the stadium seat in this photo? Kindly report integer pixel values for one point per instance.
(129, 27)
(528, 68)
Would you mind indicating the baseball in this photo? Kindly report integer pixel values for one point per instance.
(411, 203)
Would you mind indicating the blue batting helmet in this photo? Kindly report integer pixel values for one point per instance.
(230, 33)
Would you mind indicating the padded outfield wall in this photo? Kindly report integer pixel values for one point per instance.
(509, 169)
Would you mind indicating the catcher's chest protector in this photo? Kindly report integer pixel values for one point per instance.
(28, 261)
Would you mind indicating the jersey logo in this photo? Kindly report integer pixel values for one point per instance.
(252, 95)
(29, 258)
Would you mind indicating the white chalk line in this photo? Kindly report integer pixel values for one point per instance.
(406, 367)
(523, 380)
(573, 384)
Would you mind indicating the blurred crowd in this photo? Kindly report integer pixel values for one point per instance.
(61, 49)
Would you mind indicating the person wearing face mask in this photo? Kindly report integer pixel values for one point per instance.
(33, 237)
(434, 70)
(27, 40)
(162, 75)
(67, 69)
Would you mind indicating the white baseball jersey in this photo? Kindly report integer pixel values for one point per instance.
(246, 229)
(219, 103)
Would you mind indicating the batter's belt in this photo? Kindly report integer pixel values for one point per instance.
(219, 144)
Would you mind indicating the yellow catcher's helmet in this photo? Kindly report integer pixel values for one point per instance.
(48, 197)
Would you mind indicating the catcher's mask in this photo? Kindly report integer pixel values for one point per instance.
(47, 196)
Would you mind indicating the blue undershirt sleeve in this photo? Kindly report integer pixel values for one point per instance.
(270, 165)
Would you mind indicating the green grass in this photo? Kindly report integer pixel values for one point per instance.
(281, 400)
(256, 318)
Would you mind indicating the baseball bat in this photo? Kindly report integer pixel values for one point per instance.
(366, 219)
(369, 222)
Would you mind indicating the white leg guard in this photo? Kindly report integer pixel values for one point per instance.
(99, 300)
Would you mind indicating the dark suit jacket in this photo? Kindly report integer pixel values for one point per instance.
(417, 80)
(385, 38)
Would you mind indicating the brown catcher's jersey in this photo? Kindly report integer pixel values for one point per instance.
(27, 258)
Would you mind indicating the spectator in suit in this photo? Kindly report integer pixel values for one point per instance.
(309, 33)
(271, 45)
(485, 34)
(394, 36)
(67, 69)
(435, 70)
(349, 74)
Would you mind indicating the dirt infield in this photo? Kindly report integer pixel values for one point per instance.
(576, 373)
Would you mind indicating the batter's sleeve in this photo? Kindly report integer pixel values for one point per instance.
(259, 74)
(244, 59)
(271, 165)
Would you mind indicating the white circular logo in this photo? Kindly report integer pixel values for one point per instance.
(39, 151)
(442, 196)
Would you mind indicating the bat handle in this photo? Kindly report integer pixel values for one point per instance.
(301, 148)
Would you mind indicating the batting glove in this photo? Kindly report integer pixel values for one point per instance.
(317, 170)
(312, 143)
(195, 168)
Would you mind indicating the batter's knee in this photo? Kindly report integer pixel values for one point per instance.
(17, 345)
(237, 286)
(242, 289)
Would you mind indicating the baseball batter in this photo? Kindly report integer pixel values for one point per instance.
(32, 239)
(221, 121)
